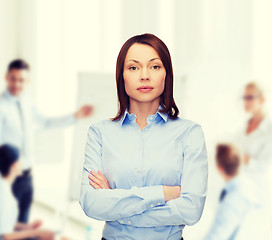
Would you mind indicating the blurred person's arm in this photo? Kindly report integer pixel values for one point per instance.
(229, 217)
(64, 121)
(40, 234)
(28, 226)
(21, 231)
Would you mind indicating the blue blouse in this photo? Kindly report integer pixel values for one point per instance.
(137, 163)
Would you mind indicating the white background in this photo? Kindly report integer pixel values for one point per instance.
(217, 46)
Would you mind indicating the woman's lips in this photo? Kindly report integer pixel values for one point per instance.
(145, 89)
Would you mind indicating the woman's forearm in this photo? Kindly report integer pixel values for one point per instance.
(171, 192)
(113, 204)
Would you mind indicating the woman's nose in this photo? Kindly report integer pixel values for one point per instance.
(144, 74)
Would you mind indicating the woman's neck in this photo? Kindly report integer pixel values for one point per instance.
(143, 109)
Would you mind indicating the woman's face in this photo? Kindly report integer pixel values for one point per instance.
(253, 101)
(144, 73)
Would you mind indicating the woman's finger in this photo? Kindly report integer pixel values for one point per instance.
(95, 180)
(105, 180)
(98, 176)
(96, 186)
(103, 176)
(102, 183)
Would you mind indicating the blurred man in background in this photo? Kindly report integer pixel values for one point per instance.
(17, 120)
(239, 198)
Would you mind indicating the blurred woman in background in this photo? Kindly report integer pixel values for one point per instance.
(255, 138)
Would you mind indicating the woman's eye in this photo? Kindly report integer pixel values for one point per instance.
(133, 68)
(156, 67)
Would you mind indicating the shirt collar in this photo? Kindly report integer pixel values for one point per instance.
(164, 116)
(9, 96)
(263, 126)
(231, 184)
(131, 116)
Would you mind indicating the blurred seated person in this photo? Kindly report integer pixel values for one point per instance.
(10, 168)
(239, 198)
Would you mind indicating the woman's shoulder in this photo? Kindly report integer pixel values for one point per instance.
(102, 124)
(185, 123)
(186, 129)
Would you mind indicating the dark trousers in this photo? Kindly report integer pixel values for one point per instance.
(23, 191)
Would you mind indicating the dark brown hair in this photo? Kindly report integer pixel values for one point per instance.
(166, 99)
(18, 64)
(228, 157)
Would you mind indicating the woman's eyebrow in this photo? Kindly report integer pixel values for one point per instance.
(154, 59)
(133, 60)
(149, 60)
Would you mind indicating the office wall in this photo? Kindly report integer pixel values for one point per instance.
(8, 35)
(216, 46)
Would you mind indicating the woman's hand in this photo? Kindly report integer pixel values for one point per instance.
(171, 192)
(98, 180)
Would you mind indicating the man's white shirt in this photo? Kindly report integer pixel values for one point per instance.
(18, 119)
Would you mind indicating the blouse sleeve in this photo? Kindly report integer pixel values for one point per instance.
(112, 204)
(188, 208)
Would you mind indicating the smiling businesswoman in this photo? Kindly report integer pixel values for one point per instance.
(145, 171)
